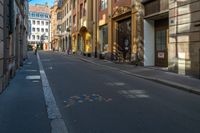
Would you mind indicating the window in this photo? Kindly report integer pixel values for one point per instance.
(74, 4)
(103, 4)
(38, 29)
(81, 10)
(33, 22)
(59, 27)
(33, 37)
(67, 8)
(38, 22)
(59, 15)
(47, 23)
(46, 16)
(65, 11)
(37, 15)
(33, 14)
(84, 9)
(70, 6)
(46, 30)
(33, 29)
(41, 15)
(74, 20)
(70, 21)
(42, 29)
(38, 37)
(67, 22)
(161, 40)
(42, 22)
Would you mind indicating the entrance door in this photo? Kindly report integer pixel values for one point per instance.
(161, 42)
(124, 38)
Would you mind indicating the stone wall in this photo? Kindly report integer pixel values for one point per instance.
(184, 48)
(1, 43)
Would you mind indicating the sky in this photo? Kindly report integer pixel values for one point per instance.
(42, 2)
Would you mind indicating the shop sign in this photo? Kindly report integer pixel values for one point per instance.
(161, 55)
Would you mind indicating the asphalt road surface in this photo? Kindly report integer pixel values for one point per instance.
(94, 99)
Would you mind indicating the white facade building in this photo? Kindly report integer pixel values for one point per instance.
(39, 19)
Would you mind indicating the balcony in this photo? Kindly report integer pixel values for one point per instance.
(155, 6)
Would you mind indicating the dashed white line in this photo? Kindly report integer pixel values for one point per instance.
(57, 123)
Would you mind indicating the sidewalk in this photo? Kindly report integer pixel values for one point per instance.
(164, 77)
(22, 104)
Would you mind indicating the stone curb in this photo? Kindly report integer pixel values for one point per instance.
(161, 81)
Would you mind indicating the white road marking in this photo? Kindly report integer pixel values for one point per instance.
(57, 123)
(29, 63)
(31, 70)
(133, 93)
(33, 77)
(35, 81)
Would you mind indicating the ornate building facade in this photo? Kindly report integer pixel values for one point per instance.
(120, 30)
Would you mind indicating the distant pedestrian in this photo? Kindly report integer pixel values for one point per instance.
(36, 48)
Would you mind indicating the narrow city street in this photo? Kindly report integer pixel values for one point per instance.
(94, 99)
(99, 66)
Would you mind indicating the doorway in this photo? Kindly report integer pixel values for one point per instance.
(124, 38)
(161, 42)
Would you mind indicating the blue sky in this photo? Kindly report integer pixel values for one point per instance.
(42, 2)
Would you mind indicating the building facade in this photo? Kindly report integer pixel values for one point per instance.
(61, 25)
(184, 37)
(54, 24)
(172, 35)
(82, 26)
(14, 30)
(120, 29)
(64, 27)
(158, 33)
(39, 18)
